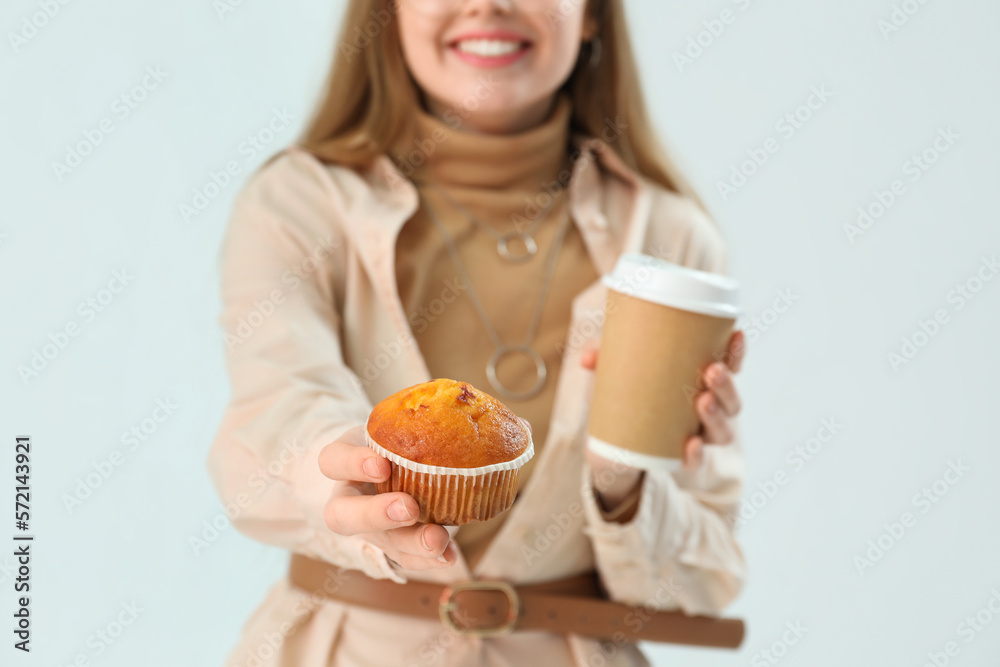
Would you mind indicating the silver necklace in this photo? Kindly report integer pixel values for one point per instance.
(503, 239)
(501, 349)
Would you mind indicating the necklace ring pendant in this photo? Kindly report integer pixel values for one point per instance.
(503, 246)
(531, 353)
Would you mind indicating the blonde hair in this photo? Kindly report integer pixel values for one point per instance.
(369, 91)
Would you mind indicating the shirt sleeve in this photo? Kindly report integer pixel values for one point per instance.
(679, 549)
(679, 542)
(292, 393)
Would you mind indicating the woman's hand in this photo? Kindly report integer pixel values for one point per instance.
(718, 404)
(715, 406)
(387, 520)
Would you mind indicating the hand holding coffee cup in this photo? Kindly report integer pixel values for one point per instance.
(716, 405)
(663, 386)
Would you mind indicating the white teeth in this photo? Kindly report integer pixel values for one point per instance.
(488, 48)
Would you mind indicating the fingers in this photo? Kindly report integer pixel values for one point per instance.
(407, 561)
(344, 462)
(427, 540)
(714, 420)
(389, 519)
(354, 514)
(719, 380)
(736, 351)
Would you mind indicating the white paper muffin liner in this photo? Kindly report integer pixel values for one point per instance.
(453, 496)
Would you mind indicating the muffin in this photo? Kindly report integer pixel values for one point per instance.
(457, 450)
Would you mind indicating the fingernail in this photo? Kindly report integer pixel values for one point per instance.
(370, 466)
(712, 407)
(398, 511)
(423, 538)
(442, 558)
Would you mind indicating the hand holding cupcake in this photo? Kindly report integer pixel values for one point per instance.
(438, 453)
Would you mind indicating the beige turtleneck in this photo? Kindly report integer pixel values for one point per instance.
(494, 177)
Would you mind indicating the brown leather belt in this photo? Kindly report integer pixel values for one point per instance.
(576, 605)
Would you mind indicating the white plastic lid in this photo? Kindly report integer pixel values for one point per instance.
(659, 281)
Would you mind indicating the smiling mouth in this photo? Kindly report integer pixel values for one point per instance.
(490, 48)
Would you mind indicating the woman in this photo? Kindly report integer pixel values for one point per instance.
(474, 168)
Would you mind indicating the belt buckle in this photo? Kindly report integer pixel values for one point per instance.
(447, 604)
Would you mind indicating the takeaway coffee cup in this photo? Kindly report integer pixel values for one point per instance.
(664, 324)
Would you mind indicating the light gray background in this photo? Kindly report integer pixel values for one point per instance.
(824, 357)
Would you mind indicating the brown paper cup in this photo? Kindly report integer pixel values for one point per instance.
(453, 496)
(664, 325)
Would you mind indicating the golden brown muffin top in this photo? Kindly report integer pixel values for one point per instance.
(448, 423)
